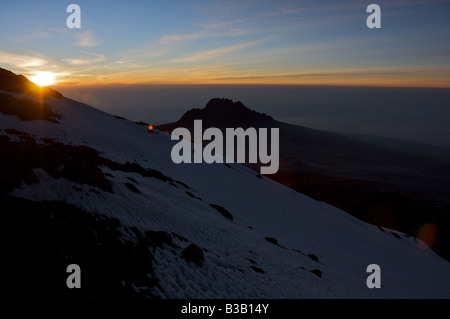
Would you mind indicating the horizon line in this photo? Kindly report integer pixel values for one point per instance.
(356, 85)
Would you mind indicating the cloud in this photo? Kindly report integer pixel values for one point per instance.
(211, 30)
(21, 60)
(31, 35)
(86, 39)
(203, 34)
(225, 24)
(209, 54)
(180, 37)
(228, 28)
(339, 74)
(86, 60)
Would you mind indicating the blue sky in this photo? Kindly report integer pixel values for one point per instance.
(273, 42)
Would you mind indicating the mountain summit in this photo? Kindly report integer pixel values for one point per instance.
(229, 110)
(222, 113)
(102, 192)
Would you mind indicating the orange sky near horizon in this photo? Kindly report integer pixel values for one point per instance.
(321, 42)
(329, 81)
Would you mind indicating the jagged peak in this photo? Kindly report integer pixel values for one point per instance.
(225, 108)
(224, 102)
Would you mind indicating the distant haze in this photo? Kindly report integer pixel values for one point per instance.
(416, 114)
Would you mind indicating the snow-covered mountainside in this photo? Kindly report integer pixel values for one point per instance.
(86, 187)
(379, 185)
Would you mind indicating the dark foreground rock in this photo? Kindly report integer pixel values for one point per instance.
(45, 237)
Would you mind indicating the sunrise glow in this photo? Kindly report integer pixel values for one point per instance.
(277, 43)
(43, 78)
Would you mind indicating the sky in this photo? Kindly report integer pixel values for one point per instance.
(319, 42)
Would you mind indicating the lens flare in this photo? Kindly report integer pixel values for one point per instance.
(427, 233)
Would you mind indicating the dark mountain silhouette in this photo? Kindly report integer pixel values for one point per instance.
(220, 113)
(383, 186)
(20, 84)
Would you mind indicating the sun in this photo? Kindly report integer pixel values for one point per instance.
(42, 78)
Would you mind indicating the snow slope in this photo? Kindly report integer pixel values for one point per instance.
(240, 258)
